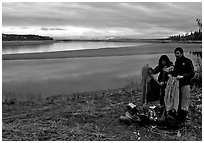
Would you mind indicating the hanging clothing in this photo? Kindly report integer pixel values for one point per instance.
(144, 83)
(150, 86)
(171, 98)
(163, 77)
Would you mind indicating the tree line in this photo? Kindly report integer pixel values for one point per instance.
(193, 36)
(15, 37)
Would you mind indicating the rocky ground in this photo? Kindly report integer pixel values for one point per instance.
(91, 116)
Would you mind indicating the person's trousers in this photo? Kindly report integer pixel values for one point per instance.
(162, 94)
(184, 97)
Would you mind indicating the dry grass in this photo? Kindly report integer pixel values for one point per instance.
(89, 116)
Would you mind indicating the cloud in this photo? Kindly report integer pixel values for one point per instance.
(104, 18)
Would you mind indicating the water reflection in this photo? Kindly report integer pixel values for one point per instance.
(64, 46)
(62, 76)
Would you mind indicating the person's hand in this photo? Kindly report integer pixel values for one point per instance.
(161, 83)
(171, 68)
(179, 77)
(169, 75)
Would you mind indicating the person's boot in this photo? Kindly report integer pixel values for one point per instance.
(177, 119)
(169, 121)
(182, 115)
(161, 122)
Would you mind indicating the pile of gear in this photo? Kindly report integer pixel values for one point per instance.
(151, 115)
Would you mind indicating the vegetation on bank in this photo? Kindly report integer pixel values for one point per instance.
(91, 116)
(15, 37)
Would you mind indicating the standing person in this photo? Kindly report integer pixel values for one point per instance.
(184, 71)
(164, 67)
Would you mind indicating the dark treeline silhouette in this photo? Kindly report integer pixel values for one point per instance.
(193, 36)
(15, 37)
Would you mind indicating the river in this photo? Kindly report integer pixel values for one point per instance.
(64, 46)
(49, 77)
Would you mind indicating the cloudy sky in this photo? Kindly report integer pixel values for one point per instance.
(99, 19)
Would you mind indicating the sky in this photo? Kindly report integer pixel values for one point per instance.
(100, 19)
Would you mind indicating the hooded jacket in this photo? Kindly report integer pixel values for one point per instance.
(163, 76)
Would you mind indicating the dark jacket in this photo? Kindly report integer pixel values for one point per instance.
(184, 67)
(163, 76)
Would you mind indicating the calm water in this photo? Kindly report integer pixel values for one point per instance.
(61, 76)
(65, 46)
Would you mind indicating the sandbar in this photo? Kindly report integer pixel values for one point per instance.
(154, 48)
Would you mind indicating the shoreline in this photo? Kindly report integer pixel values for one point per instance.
(153, 48)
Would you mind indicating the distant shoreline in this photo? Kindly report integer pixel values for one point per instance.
(154, 48)
(39, 42)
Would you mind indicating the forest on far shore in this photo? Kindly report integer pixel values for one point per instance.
(193, 36)
(15, 37)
